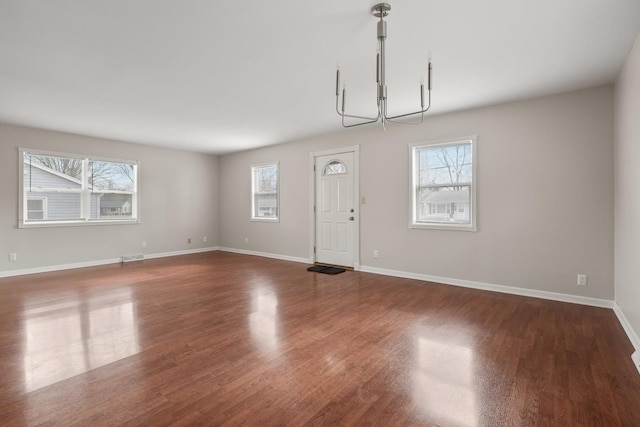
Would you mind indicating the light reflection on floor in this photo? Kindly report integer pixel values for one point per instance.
(443, 383)
(66, 339)
(263, 321)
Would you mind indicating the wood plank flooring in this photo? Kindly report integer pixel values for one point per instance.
(227, 339)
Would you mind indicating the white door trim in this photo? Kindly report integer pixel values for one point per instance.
(355, 149)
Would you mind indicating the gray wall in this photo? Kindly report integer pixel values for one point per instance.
(627, 190)
(178, 200)
(545, 196)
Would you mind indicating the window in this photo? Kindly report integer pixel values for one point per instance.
(68, 189)
(443, 184)
(37, 208)
(264, 190)
(334, 167)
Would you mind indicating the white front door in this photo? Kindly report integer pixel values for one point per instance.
(335, 207)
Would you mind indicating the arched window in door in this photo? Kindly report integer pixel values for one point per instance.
(334, 167)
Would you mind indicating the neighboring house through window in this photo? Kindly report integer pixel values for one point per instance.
(264, 191)
(443, 184)
(72, 189)
(37, 208)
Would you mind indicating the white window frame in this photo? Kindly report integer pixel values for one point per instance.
(413, 180)
(85, 192)
(254, 168)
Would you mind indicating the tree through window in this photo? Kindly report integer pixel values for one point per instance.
(264, 189)
(443, 185)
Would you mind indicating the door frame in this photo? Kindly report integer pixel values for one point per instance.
(355, 149)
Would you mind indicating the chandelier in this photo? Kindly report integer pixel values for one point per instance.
(380, 11)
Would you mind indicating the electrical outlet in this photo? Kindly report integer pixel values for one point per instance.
(204, 239)
(376, 253)
(144, 244)
(189, 240)
(246, 240)
(13, 256)
(583, 279)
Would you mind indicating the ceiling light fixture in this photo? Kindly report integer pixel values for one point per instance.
(380, 11)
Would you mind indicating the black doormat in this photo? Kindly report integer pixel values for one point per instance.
(326, 269)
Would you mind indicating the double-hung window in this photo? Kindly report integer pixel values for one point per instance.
(443, 184)
(69, 189)
(264, 192)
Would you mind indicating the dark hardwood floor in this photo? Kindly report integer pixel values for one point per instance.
(227, 339)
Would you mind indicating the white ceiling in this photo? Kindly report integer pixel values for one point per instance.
(219, 77)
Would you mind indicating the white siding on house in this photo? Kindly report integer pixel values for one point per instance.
(59, 205)
(39, 177)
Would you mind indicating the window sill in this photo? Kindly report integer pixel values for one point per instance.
(265, 219)
(438, 226)
(49, 224)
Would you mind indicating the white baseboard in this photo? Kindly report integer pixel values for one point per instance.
(576, 299)
(636, 359)
(48, 268)
(633, 336)
(267, 255)
(176, 253)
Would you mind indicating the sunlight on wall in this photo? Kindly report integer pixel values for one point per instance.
(67, 339)
(443, 383)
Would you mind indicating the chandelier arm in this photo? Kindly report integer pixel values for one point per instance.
(405, 122)
(359, 117)
(395, 118)
(358, 124)
(392, 118)
(351, 116)
(367, 121)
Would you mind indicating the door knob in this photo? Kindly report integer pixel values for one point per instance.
(351, 218)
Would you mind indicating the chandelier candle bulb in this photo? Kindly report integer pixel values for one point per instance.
(378, 67)
(422, 95)
(344, 96)
(338, 81)
(429, 78)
